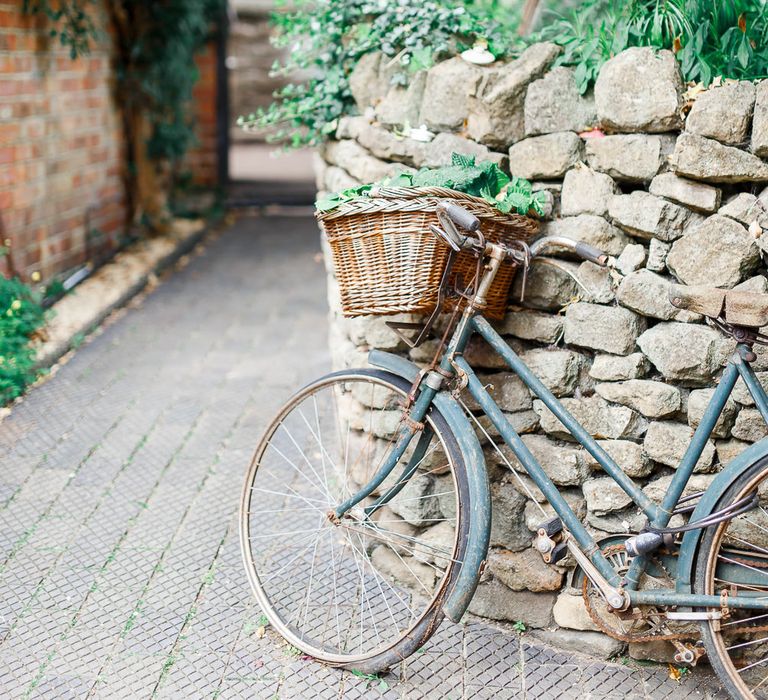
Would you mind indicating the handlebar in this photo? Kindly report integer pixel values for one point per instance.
(452, 217)
(583, 250)
(460, 216)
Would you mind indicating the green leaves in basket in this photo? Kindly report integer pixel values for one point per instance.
(464, 174)
(331, 201)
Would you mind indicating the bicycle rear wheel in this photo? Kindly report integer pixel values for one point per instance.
(733, 557)
(358, 592)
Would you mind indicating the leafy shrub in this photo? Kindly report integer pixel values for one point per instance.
(328, 37)
(728, 39)
(21, 315)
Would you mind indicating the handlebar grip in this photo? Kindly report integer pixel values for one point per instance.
(460, 216)
(591, 253)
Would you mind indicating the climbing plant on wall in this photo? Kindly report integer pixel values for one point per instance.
(155, 43)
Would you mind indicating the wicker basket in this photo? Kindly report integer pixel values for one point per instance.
(387, 261)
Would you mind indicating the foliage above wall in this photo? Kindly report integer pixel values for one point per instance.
(728, 39)
(327, 39)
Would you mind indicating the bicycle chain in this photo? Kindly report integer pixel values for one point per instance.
(612, 632)
(647, 637)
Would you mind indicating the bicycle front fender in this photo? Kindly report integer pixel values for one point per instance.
(707, 504)
(465, 583)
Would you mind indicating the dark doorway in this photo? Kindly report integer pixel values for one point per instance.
(256, 174)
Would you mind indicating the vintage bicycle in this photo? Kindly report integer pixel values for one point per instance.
(366, 514)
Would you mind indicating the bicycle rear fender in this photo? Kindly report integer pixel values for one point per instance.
(464, 586)
(707, 504)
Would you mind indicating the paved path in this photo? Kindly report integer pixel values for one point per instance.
(119, 481)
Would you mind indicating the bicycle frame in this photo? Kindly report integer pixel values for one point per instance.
(454, 363)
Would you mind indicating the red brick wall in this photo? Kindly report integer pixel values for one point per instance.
(61, 149)
(202, 160)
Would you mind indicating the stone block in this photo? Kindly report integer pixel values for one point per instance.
(685, 351)
(365, 82)
(562, 463)
(497, 108)
(652, 399)
(640, 89)
(718, 252)
(604, 496)
(337, 179)
(497, 602)
(573, 497)
(406, 570)
(551, 284)
(723, 113)
(629, 455)
(747, 208)
(439, 151)
(706, 159)
(402, 104)
(591, 229)
(559, 370)
(612, 368)
(698, 401)
(657, 255)
(632, 258)
(586, 191)
(597, 283)
(524, 571)
(758, 284)
(741, 393)
(695, 195)
(545, 157)
(383, 144)
(645, 216)
(532, 325)
(506, 389)
(553, 103)
(666, 442)
(648, 294)
(759, 143)
(749, 425)
(508, 528)
(571, 613)
(728, 450)
(657, 489)
(626, 157)
(593, 643)
(606, 328)
(599, 418)
(361, 165)
(447, 90)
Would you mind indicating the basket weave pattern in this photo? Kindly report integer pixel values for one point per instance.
(387, 261)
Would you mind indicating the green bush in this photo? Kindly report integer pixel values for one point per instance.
(328, 37)
(710, 39)
(21, 315)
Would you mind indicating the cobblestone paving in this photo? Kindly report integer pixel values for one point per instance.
(119, 482)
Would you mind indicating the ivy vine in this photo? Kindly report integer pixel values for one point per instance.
(70, 21)
(326, 39)
(154, 47)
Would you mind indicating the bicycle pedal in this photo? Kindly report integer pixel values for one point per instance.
(550, 527)
(558, 552)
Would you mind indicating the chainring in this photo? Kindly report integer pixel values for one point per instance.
(642, 623)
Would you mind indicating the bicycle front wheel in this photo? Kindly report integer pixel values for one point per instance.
(365, 590)
(733, 559)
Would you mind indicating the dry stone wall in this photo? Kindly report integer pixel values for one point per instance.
(673, 187)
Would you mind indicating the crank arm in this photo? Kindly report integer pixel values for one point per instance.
(616, 598)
